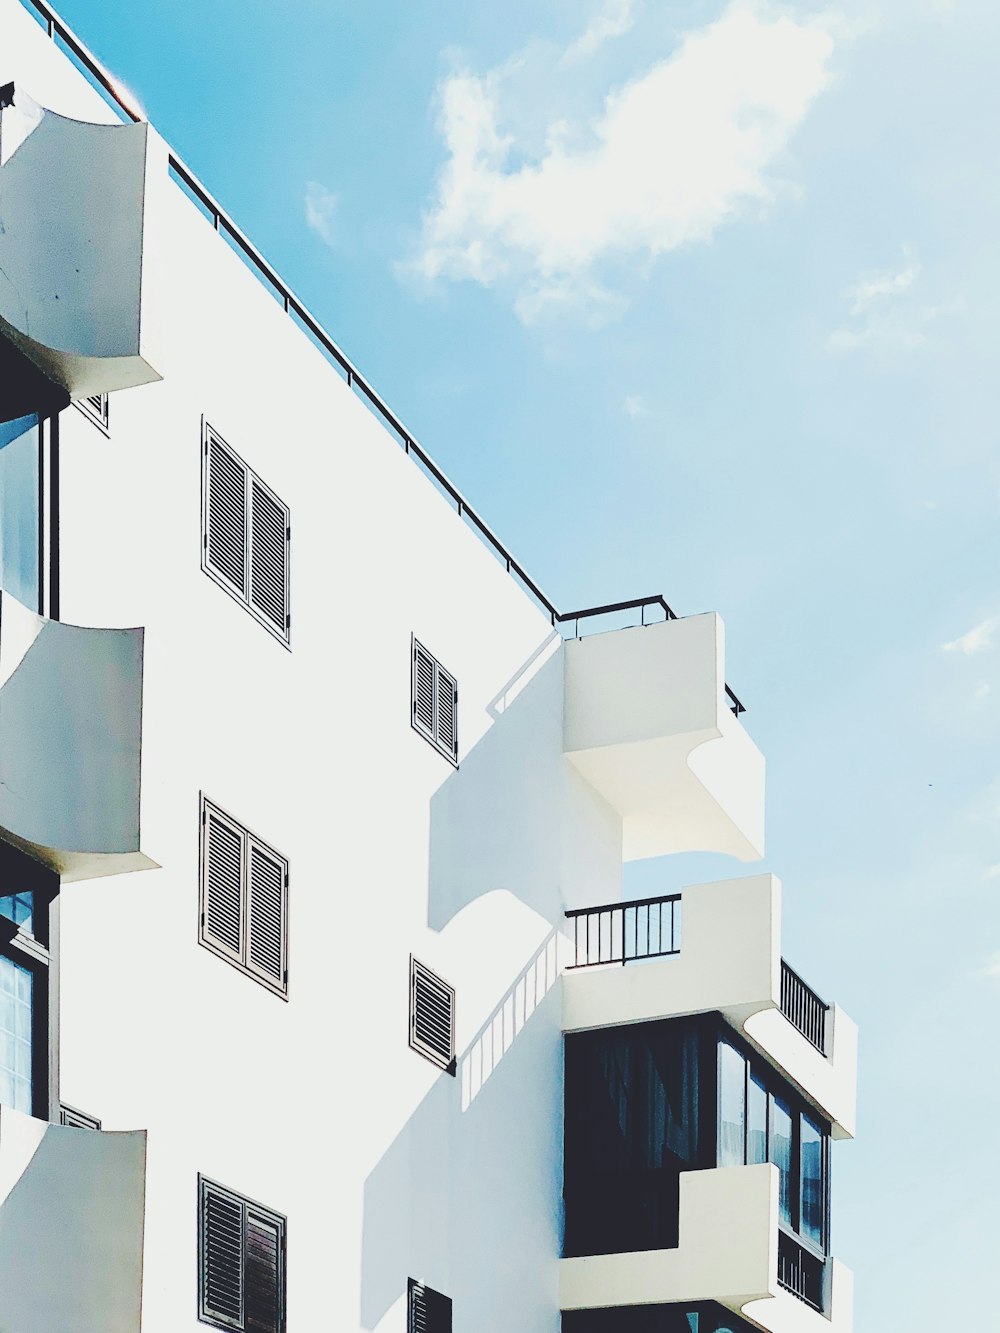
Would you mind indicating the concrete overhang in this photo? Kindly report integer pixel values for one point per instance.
(70, 743)
(73, 202)
(648, 724)
(727, 1252)
(729, 962)
(71, 1227)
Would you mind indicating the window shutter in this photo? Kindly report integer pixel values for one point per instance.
(266, 914)
(423, 689)
(222, 895)
(226, 502)
(269, 556)
(68, 1115)
(429, 1311)
(432, 1016)
(264, 1261)
(446, 697)
(222, 1244)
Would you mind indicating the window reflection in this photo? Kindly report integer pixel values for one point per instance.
(781, 1156)
(732, 1103)
(756, 1121)
(16, 1009)
(813, 1201)
(19, 908)
(19, 509)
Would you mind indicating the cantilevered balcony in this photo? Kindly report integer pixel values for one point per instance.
(650, 724)
(70, 735)
(714, 948)
(730, 1251)
(73, 264)
(71, 1220)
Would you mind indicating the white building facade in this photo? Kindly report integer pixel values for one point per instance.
(320, 1007)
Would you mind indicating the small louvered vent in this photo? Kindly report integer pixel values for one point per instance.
(427, 1310)
(434, 698)
(69, 1115)
(95, 406)
(241, 1262)
(244, 899)
(432, 1016)
(246, 535)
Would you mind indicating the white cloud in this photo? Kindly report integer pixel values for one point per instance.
(634, 407)
(992, 968)
(976, 640)
(613, 19)
(679, 149)
(884, 314)
(321, 208)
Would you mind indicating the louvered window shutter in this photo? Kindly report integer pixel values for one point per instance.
(226, 506)
(222, 1246)
(223, 872)
(429, 1311)
(264, 1262)
(269, 556)
(423, 689)
(266, 913)
(432, 1016)
(446, 701)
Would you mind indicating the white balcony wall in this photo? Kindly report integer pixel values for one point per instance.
(648, 724)
(730, 962)
(71, 1208)
(727, 1252)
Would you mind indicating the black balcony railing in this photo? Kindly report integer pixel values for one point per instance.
(626, 932)
(800, 1272)
(803, 1008)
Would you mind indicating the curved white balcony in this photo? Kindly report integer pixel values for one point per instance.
(727, 1252)
(71, 1223)
(72, 270)
(648, 723)
(728, 960)
(70, 742)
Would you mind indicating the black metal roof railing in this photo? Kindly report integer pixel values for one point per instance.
(95, 72)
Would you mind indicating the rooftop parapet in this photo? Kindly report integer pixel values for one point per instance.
(70, 742)
(650, 724)
(71, 1226)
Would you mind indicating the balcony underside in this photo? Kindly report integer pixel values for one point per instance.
(648, 724)
(71, 1225)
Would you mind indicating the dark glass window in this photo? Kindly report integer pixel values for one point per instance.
(812, 1224)
(20, 509)
(17, 995)
(732, 1106)
(781, 1156)
(756, 1121)
(632, 1126)
(701, 1318)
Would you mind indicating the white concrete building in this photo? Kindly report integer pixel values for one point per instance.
(313, 1012)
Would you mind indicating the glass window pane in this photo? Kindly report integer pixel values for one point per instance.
(16, 995)
(732, 1105)
(813, 1201)
(19, 908)
(756, 1121)
(781, 1156)
(19, 503)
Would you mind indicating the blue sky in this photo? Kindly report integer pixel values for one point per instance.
(701, 297)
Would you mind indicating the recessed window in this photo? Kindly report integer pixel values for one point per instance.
(244, 899)
(241, 1261)
(432, 1016)
(24, 983)
(96, 409)
(246, 535)
(434, 702)
(74, 1119)
(427, 1310)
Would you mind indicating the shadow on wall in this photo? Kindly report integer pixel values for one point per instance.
(516, 815)
(468, 1196)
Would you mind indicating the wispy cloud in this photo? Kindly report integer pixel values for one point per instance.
(634, 407)
(613, 19)
(976, 640)
(687, 144)
(992, 968)
(885, 314)
(321, 209)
